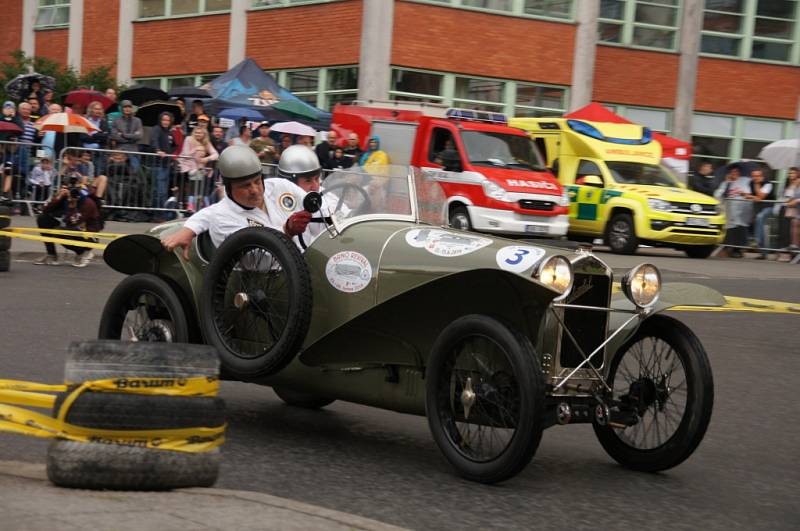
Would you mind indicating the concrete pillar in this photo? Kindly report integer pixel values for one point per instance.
(237, 34)
(128, 12)
(691, 25)
(75, 39)
(28, 38)
(376, 50)
(586, 15)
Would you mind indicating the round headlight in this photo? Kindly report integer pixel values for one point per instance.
(556, 273)
(642, 285)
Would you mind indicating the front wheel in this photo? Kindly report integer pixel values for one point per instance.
(662, 381)
(484, 398)
(459, 219)
(621, 234)
(699, 251)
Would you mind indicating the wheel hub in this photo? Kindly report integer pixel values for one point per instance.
(643, 393)
(157, 330)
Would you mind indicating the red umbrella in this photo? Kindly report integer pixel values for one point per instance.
(9, 127)
(62, 122)
(84, 97)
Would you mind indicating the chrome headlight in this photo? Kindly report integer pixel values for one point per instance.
(556, 273)
(659, 204)
(642, 285)
(495, 191)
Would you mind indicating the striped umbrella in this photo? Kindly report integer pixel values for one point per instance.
(62, 122)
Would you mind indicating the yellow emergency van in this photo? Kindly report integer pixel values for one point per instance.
(619, 191)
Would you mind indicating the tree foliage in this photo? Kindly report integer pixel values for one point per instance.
(67, 78)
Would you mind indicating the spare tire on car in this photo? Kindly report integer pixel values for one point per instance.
(255, 305)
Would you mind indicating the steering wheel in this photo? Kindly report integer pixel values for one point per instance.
(363, 208)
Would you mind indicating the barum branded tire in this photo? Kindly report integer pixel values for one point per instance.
(110, 466)
(5, 260)
(105, 359)
(5, 217)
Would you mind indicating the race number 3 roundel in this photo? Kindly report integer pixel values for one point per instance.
(518, 258)
(348, 271)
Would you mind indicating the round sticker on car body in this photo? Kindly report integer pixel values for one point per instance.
(518, 258)
(445, 243)
(348, 271)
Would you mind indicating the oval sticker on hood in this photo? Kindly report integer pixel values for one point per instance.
(348, 271)
(518, 258)
(445, 243)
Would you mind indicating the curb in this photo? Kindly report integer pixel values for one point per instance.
(245, 506)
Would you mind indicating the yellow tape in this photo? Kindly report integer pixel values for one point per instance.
(743, 304)
(101, 235)
(62, 241)
(22, 421)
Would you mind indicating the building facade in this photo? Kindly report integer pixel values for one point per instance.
(516, 56)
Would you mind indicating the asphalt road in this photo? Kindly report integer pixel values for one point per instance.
(383, 465)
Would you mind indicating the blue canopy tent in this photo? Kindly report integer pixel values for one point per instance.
(246, 85)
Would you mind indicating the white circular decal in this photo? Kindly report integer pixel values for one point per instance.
(445, 243)
(518, 258)
(348, 271)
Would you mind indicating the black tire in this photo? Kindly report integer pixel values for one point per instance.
(263, 272)
(145, 308)
(5, 260)
(300, 399)
(5, 217)
(699, 251)
(621, 234)
(459, 218)
(106, 466)
(5, 243)
(99, 360)
(666, 336)
(128, 411)
(508, 399)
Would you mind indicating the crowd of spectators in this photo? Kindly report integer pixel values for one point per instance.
(755, 215)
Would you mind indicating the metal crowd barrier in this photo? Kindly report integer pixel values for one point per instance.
(25, 186)
(762, 221)
(139, 186)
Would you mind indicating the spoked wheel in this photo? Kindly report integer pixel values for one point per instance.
(145, 307)
(484, 398)
(256, 302)
(621, 234)
(662, 381)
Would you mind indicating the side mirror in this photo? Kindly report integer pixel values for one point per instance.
(592, 180)
(312, 202)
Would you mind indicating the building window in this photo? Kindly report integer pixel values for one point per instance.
(286, 3)
(321, 87)
(645, 23)
(171, 82)
(655, 119)
(553, 9)
(751, 29)
(304, 84)
(52, 13)
(341, 86)
(537, 100)
(410, 85)
(479, 94)
(175, 8)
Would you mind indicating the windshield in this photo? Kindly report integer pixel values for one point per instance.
(638, 173)
(382, 193)
(502, 150)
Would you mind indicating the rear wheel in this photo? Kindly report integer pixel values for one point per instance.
(5, 260)
(459, 218)
(662, 381)
(699, 251)
(484, 398)
(621, 234)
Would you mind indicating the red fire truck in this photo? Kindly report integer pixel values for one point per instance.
(493, 175)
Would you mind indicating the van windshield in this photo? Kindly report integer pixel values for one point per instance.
(501, 150)
(638, 173)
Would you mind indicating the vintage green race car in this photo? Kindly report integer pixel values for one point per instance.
(492, 339)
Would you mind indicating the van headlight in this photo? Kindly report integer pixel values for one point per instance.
(495, 191)
(564, 200)
(556, 273)
(659, 204)
(642, 285)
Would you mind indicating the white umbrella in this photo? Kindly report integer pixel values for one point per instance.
(62, 122)
(293, 128)
(781, 154)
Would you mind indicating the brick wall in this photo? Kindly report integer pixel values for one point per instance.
(100, 33)
(52, 44)
(310, 35)
(11, 34)
(635, 77)
(457, 40)
(192, 45)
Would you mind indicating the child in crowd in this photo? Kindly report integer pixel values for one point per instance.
(40, 179)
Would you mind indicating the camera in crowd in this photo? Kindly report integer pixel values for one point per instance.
(73, 186)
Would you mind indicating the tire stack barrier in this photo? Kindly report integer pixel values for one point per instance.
(5, 241)
(130, 416)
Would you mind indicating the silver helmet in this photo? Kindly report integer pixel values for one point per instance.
(238, 162)
(298, 161)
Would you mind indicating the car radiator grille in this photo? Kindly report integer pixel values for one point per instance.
(587, 327)
(534, 204)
